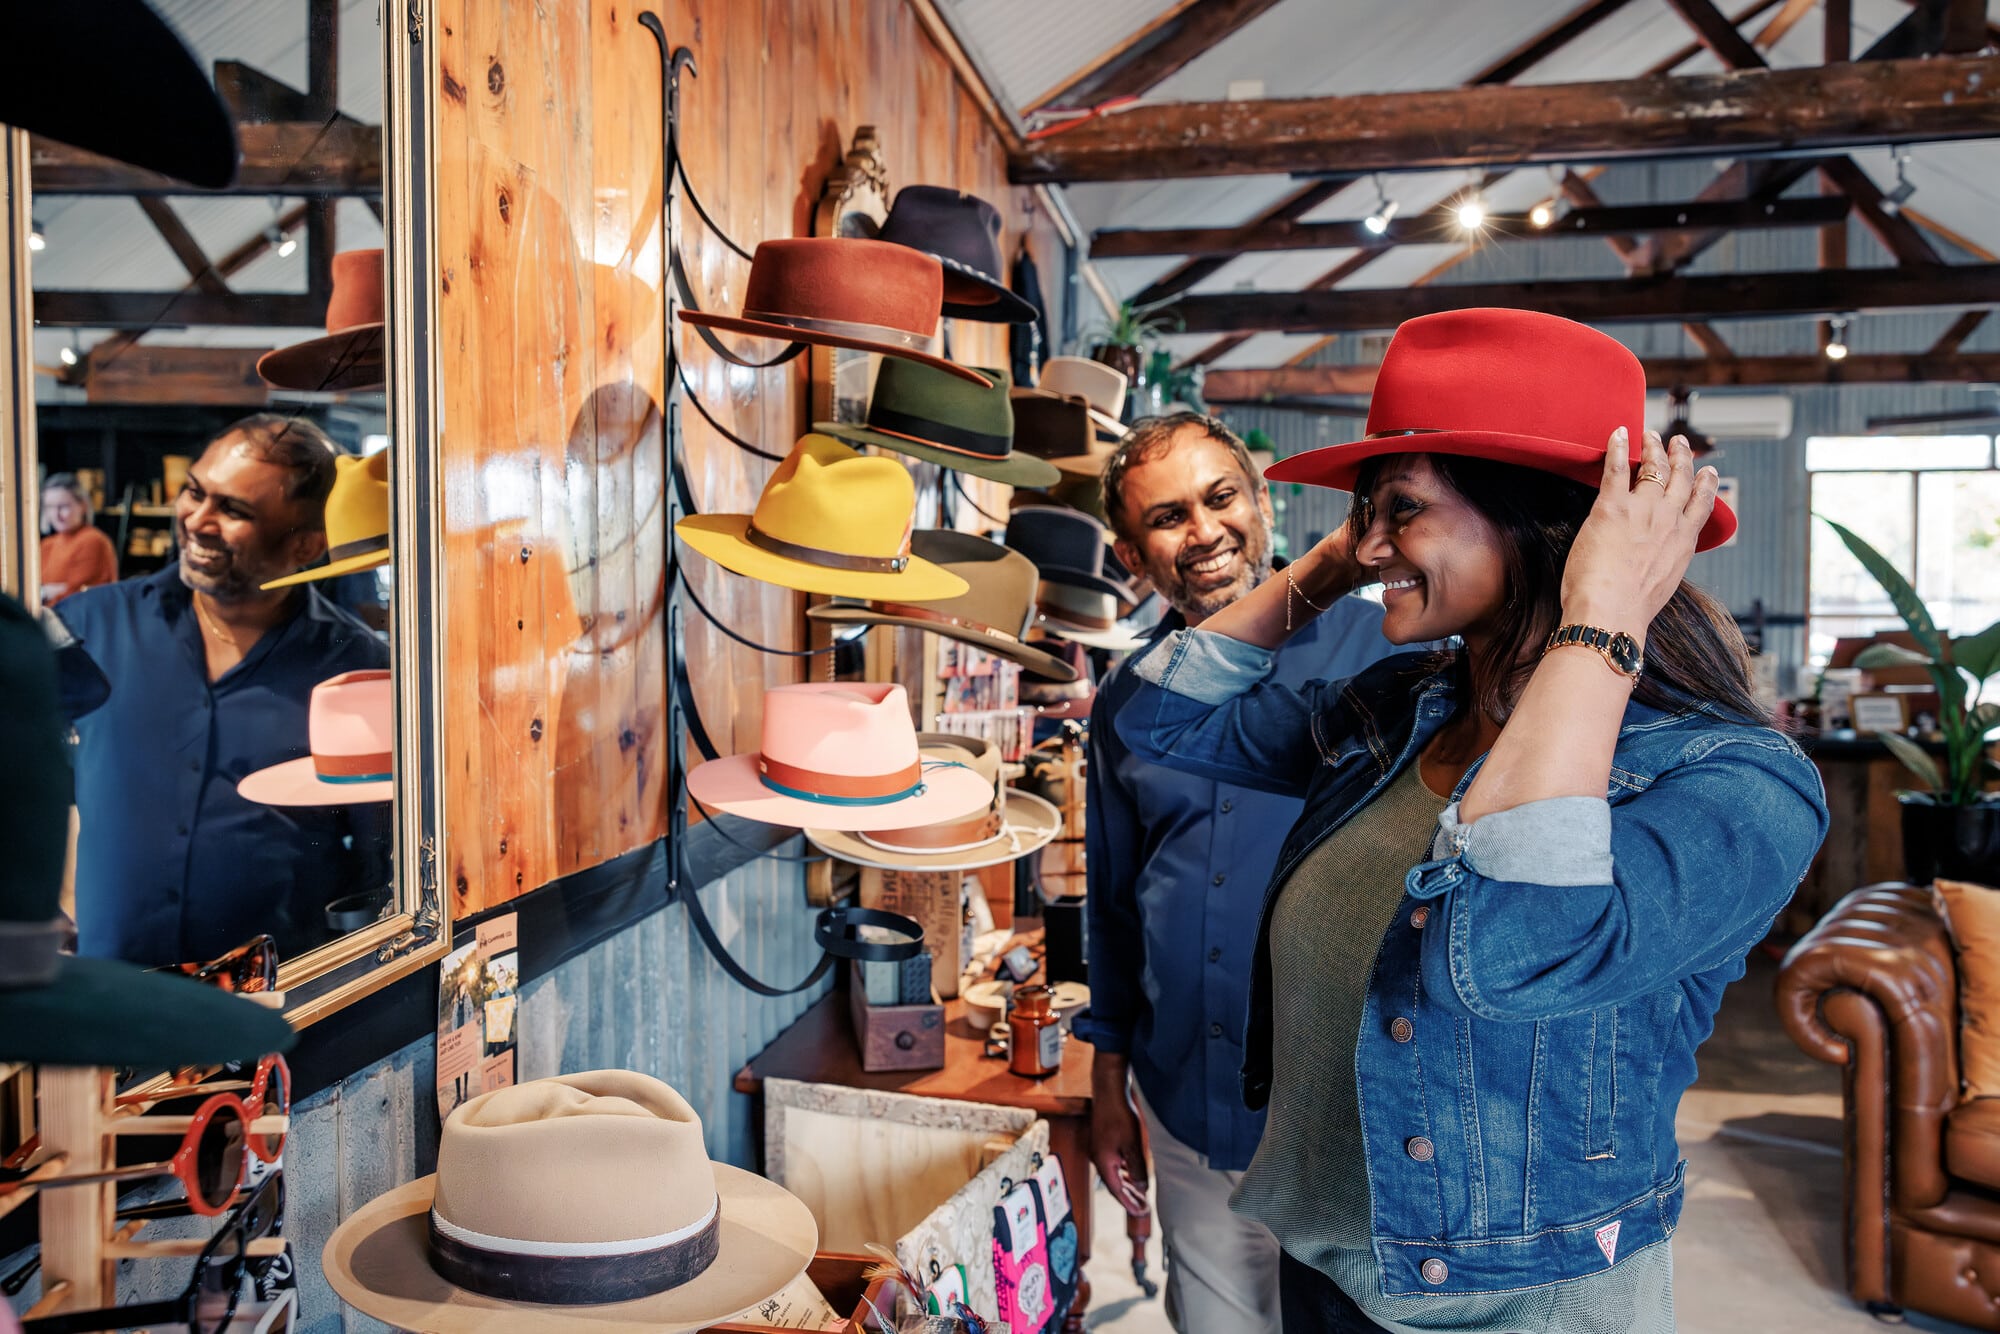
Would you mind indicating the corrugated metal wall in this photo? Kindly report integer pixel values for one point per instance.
(648, 999)
(1768, 561)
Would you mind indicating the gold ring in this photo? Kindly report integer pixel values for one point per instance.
(1653, 475)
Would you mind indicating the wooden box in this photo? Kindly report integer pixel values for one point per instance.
(842, 1280)
(895, 1037)
(935, 901)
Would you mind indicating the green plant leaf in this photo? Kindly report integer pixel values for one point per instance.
(1915, 758)
(1978, 654)
(1908, 605)
(1890, 655)
(1984, 719)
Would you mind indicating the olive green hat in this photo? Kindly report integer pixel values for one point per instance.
(943, 419)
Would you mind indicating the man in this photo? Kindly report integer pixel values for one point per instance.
(208, 679)
(1177, 867)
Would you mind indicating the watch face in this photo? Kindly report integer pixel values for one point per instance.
(1625, 653)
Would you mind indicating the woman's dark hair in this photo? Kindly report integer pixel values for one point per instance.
(1694, 650)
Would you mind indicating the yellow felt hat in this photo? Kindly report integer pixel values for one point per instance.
(357, 520)
(831, 521)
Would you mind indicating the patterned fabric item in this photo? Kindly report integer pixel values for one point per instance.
(1021, 1262)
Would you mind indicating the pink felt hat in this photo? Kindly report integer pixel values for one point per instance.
(839, 756)
(351, 726)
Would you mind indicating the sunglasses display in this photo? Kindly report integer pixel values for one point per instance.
(208, 1304)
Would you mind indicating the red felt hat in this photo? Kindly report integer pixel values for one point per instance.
(1513, 386)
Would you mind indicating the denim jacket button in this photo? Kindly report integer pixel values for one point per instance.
(1435, 1271)
(1401, 1029)
(1419, 915)
(1420, 1149)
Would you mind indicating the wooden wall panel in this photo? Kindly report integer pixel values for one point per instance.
(549, 187)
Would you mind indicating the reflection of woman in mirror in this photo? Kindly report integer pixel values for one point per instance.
(75, 552)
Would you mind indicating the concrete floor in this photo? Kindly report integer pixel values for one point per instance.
(1758, 1250)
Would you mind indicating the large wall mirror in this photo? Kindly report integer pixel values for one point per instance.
(220, 499)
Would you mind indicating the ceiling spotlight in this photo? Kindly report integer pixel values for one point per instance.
(1471, 213)
(1893, 200)
(68, 355)
(1836, 341)
(1541, 215)
(287, 246)
(1377, 222)
(37, 238)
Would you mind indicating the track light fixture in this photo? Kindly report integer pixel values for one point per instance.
(1836, 340)
(1893, 200)
(1377, 222)
(37, 238)
(1541, 215)
(67, 355)
(1471, 213)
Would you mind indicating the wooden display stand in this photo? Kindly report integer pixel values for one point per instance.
(79, 1124)
(895, 1037)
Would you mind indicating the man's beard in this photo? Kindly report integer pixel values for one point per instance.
(232, 579)
(1199, 605)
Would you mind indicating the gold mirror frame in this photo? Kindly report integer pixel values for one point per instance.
(854, 203)
(323, 981)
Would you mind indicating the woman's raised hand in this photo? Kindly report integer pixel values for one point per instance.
(1631, 552)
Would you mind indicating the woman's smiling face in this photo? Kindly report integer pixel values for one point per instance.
(1440, 560)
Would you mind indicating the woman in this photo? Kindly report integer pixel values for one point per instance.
(75, 553)
(1524, 872)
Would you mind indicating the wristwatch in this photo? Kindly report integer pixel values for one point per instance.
(1617, 648)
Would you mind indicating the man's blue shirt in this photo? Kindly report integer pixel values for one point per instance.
(172, 865)
(1177, 867)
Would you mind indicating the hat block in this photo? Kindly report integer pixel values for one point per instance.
(1510, 386)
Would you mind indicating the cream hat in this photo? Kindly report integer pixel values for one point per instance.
(581, 1202)
(1104, 386)
(1012, 826)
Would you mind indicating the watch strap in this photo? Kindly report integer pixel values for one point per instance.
(1616, 647)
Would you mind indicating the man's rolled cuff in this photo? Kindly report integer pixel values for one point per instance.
(1203, 666)
(1105, 1035)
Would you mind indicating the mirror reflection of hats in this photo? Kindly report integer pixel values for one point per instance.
(962, 232)
(1059, 428)
(842, 292)
(1499, 384)
(923, 412)
(56, 1009)
(349, 355)
(1101, 385)
(1067, 547)
(992, 614)
(351, 727)
(584, 1201)
(832, 521)
(1013, 825)
(357, 520)
(839, 756)
(111, 77)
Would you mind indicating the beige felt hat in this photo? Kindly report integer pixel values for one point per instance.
(581, 1202)
(1014, 825)
(1103, 386)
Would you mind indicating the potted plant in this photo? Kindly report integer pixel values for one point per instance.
(1122, 340)
(1951, 827)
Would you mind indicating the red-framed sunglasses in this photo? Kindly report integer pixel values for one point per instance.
(251, 966)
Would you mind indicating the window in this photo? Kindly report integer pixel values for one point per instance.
(1930, 505)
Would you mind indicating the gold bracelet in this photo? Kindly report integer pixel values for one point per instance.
(1291, 587)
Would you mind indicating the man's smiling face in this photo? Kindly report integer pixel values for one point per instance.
(1201, 529)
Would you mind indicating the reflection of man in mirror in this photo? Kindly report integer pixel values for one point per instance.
(209, 678)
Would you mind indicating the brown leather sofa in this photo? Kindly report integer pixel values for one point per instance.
(1873, 988)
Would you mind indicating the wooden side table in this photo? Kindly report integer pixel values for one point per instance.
(819, 1048)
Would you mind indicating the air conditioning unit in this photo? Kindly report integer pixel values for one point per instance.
(1726, 416)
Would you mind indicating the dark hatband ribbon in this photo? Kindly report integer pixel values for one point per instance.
(926, 432)
(910, 611)
(573, 1280)
(836, 560)
(363, 547)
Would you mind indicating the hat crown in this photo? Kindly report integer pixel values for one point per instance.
(352, 715)
(358, 506)
(35, 783)
(360, 292)
(908, 395)
(1057, 538)
(1000, 584)
(842, 729)
(1104, 386)
(1513, 372)
(946, 222)
(1083, 602)
(847, 280)
(833, 498)
(1050, 425)
(606, 1156)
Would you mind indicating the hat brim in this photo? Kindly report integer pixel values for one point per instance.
(1092, 464)
(1075, 578)
(1338, 466)
(297, 783)
(1108, 426)
(1069, 708)
(331, 570)
(1014, 470)
(732, 784)
(1117, 640)
(721, 538)
(1029, 824)
(336, 363)
(378, 1261)
(1032, 659)
(785, 333)
(107, 1012)
(972, 295)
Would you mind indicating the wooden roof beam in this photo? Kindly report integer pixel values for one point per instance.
(1282, 383)
(333, 157)
(1739, 112)
(179, 240)
(1154, 53)
(1593, 301)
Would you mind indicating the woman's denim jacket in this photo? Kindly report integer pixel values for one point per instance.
(1557, 963)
